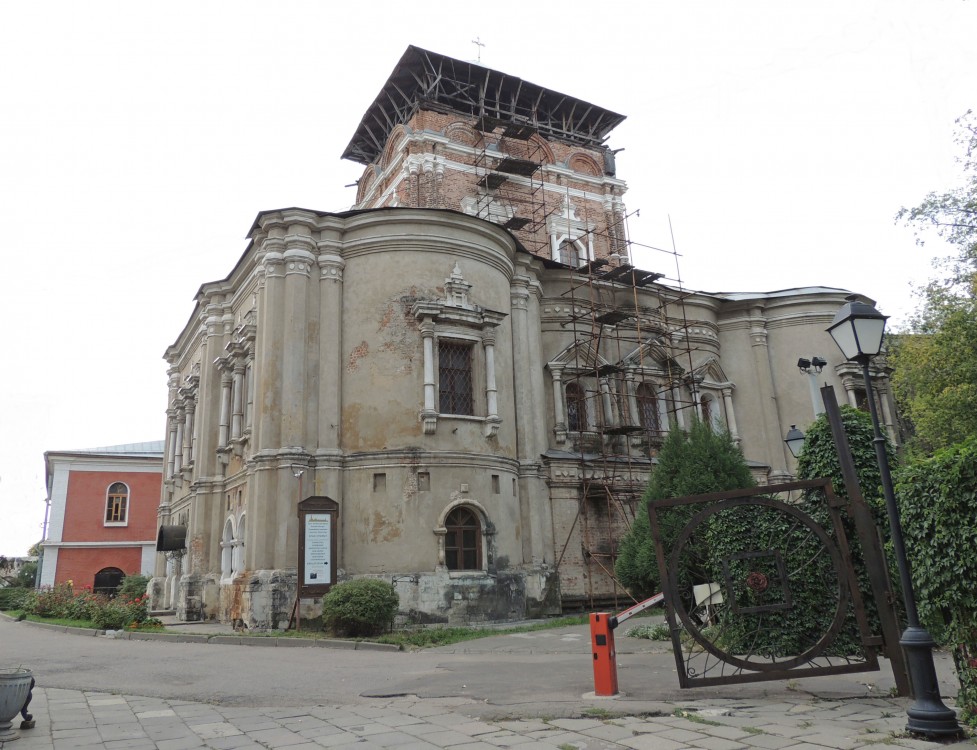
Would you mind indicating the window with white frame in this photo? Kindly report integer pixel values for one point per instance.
(227, 550)
(117, 505)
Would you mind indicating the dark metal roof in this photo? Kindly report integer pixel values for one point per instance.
(423, 79)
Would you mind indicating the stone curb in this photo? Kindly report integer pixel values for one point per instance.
(57, 628)
(219, 640)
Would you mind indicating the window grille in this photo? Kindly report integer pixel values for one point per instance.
(576, 408)
(455, 378)
(648, 408)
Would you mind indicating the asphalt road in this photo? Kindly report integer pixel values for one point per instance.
(542, 673)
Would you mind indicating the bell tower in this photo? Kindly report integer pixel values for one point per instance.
(449, 134)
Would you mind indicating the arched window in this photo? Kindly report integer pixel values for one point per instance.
(463, 541)
(710, 414)
(117, 505)
(569, 253)
(237, 559)
(648, 408)
(227, 549)
(576, 407)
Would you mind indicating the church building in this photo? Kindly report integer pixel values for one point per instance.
(459, 385)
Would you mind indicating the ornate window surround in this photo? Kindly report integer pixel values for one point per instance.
(456, 317)
(487, 532)
(565, 225)
(708, 382)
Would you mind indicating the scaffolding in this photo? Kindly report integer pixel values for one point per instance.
(629, 330)
(625, 323)
(509, 162)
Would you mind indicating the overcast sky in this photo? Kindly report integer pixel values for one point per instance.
(139, 140)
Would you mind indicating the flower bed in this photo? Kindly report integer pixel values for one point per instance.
(104, 612)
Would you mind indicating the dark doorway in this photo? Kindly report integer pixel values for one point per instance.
(108, 580)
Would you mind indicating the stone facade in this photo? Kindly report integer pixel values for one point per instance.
(468, 366)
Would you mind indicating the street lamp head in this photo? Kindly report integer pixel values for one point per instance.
(804, 364)
(857, 330)
(818, 364)
(795, 441)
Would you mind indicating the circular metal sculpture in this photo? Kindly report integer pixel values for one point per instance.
(758, 585)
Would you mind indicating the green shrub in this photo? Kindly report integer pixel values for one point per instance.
(361, 607)
(12, 597)
(133, 585)
(63, 603)
(49, 602)
(794, 612)
(820, 459)
(120, 612)
(938, 505)
(658, 631)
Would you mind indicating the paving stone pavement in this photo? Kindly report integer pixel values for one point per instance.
(68, 719)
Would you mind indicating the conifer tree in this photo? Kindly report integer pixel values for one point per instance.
(691, 462)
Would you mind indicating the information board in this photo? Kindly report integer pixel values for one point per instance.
(317, 546)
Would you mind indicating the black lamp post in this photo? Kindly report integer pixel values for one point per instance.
(795, 441)
(857, 330)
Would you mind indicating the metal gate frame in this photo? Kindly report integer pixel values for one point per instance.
(727, 668)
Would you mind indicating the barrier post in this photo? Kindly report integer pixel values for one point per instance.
(605, 657)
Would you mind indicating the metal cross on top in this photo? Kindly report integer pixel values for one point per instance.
(478, 41)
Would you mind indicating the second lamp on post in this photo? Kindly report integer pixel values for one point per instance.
(857, 330)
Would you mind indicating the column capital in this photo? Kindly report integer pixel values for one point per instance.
(331, 265)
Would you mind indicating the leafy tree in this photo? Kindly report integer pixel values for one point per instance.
(935, 375)
(935, 371)
(26, 574)
(690, 462)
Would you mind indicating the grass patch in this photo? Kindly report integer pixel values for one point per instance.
(601, 713)
(695, 718)
(753, 730)
(433, 637)
(416, 639)
(652, 632)
(58, 621)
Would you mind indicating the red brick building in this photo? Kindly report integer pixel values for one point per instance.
(102, 522)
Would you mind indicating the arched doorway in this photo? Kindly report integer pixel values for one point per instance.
(108, 580)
